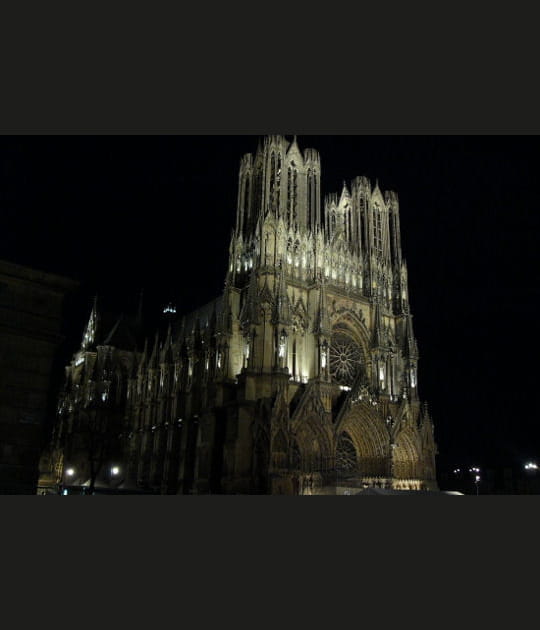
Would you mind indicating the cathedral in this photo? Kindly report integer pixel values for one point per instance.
(301, 378)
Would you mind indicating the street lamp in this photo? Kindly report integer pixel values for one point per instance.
(477, 478)
(69, 473)
(115, 471)
(531, 468)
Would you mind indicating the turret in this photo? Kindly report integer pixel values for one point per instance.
(312, 163)
(244, 218)
(392, 203)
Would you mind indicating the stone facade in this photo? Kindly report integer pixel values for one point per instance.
(30, 333)
(301, 378)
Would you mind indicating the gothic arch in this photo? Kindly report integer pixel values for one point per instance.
(346, 459)
(406, 459)
(370, 438)
(315, 444)
(348, 319)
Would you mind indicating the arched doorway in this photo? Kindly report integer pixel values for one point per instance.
(362, 429)
(406, 462)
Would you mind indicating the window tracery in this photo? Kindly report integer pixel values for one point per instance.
(346, 457)
(345, 359)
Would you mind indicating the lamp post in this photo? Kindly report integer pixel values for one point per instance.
(68, 475)
(115, 476)
(477, 478)
(530, 467)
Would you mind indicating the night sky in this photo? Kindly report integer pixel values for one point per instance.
(121, 213)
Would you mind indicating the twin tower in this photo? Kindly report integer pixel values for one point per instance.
(302, 377)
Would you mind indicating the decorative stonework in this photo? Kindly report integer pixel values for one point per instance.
(345, 359)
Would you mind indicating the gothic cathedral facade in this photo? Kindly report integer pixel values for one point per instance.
(301, 378)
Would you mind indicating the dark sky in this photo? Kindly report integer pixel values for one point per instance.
(123, 212)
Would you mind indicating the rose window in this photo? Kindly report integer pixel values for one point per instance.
(345, 359)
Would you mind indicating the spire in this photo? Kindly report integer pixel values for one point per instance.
(89, 336)
(167, 353)
(345, 195)
(294, 152)
(411, 348)
(144, 355)
(154, 357)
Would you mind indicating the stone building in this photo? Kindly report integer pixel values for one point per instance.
(301, 378)
(31, 304)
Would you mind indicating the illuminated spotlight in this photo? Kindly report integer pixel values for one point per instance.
(531, 466)
(64, 492)
(477, 477)
(115, 470)
(70, 472)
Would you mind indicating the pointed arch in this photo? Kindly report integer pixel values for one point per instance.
(406, 458)
(346, 462)
(315, 442)
(370, 438)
